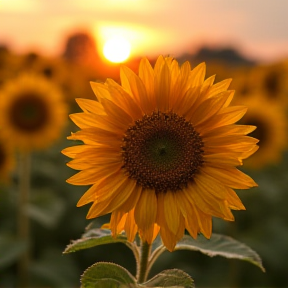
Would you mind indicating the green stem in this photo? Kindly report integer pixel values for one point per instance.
(23, 219)
(143, 268)
(157, 252)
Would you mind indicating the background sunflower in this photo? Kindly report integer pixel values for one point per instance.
(33, 112)
(271, 122)
(271, 81)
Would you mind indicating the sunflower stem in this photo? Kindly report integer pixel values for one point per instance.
(23, 219)
(143, 267)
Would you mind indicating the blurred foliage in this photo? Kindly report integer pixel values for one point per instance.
(55, 220)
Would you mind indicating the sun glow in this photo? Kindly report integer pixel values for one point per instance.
(117, 49)
(139, 38)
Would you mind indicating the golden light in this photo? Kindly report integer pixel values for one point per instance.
(117, 49)
(139, 38)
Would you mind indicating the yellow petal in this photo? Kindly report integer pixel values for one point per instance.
(100, 91)
(208, 108)
(217, 159)
(230, 130)
(146, 209)
(230, 177)
(124, 100)
(114, 199)
(179, 82)
(205, 223)
(138, 90)
(91, 176)
(73, 151)
(218, 88)
(206, 85)
(132, 200)
(250, 152)
(160, 218)
(149, 235)
(162, 88)
(197, 75)
(146, 74)
(168, 238)
(227, 116)
(117, 113)
(209, 204)
(96, 135)
(91, 194)
(91, 106)
(115, 220)
(172, 212)
(233, 200)
(186, 105)
(130, 226)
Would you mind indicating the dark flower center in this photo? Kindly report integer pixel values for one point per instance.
(162, 151)
(48, 72)
(28, 113)
(272, 83)
(245, 89)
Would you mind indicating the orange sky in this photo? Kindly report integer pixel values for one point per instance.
(258, 28)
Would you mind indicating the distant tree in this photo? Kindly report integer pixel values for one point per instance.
(81, 48)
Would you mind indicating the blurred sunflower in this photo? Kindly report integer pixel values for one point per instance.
(244, 81)
(32, 112)
(7, 161)
(272, 81)
(71, 77)
(271, 121)
(160, 151)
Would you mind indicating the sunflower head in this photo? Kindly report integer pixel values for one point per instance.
(271, 121)
(33, 112)
(272, 82)
(160, 151)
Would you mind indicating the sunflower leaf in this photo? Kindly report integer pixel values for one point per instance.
(220, 245)
(96, 237)
(107, 275)
(170, 278)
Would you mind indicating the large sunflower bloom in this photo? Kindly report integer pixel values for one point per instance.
(160, 151)
(33, 112)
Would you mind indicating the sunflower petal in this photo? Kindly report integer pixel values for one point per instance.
(172, 212)
(146, 209)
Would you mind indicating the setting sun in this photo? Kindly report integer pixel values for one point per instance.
(117, 49)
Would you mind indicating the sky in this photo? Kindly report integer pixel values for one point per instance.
(257, 28)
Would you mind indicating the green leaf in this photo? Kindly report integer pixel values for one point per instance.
(100, 237)
(171, 278)
(220, 245)
(10, 250)
(107, 275)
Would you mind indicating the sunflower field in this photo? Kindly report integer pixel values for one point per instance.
(38, 213)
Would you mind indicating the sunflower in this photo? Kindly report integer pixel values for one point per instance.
(272, 82)
(244, 81)
(32, 112)
(161, 151)
(271, 121)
